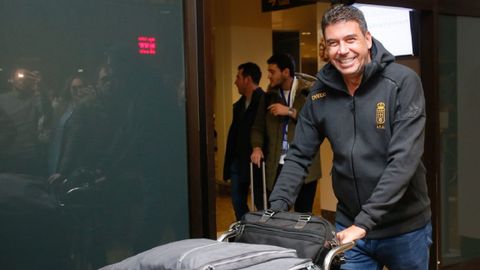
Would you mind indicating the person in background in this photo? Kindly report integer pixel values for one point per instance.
(8, 130)
(372, 110)
(275, 123)
(74, 92)
(322, 50)
(29, 115)
(108, 150)
(32, 226)
(237, 154)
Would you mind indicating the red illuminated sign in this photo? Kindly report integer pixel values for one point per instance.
(147, 45)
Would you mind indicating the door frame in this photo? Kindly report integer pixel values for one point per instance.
(199, 106)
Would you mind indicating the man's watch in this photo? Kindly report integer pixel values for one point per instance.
(290, 112)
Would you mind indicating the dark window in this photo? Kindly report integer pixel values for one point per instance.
(92, 131)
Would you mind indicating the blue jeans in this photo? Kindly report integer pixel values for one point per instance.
(409, 251)
(239, 191)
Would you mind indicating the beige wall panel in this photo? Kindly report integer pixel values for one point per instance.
(242, 33)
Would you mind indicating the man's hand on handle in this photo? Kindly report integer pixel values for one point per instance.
(350, 234)
(257, 156)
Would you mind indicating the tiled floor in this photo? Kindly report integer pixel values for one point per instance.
(225, 215)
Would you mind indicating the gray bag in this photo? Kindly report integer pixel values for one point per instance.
(286, 263)
(206, 254)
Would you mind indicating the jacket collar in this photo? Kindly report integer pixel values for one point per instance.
(255, 97)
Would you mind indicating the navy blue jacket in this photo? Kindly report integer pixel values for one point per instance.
(377, 138)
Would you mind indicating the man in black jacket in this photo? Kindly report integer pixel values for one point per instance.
(237, 154)
(372, 111)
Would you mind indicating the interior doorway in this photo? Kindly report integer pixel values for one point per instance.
(243, 33)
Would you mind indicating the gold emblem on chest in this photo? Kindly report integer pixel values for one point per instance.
(380, 115)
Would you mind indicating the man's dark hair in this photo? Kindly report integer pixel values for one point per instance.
(342, 2)
(283, 61)
(344, 13)
(252, 70)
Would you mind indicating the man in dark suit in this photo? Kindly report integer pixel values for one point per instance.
(238, 150)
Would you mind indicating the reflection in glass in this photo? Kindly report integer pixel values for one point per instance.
(459, 133)
(91, 102)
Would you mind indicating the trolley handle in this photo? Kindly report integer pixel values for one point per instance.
(264, 185)
(233, 231)
(335, 252)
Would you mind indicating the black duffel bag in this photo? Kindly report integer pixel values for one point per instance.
(311, 236)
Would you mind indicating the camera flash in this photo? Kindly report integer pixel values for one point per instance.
(20, 75)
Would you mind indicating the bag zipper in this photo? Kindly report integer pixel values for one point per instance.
(253, 254)
(302, 233)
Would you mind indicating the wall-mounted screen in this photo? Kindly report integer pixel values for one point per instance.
(391, 26)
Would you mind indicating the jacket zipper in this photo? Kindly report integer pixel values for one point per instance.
(353, 147)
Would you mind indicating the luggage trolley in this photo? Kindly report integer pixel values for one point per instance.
(332, 259)
(310, 234)
(262, 240)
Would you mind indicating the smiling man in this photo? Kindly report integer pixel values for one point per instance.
(372, 111)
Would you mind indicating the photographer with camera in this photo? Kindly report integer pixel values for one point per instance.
(26, 107)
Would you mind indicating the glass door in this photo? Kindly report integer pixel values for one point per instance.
(93, 154)
(459, 132)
